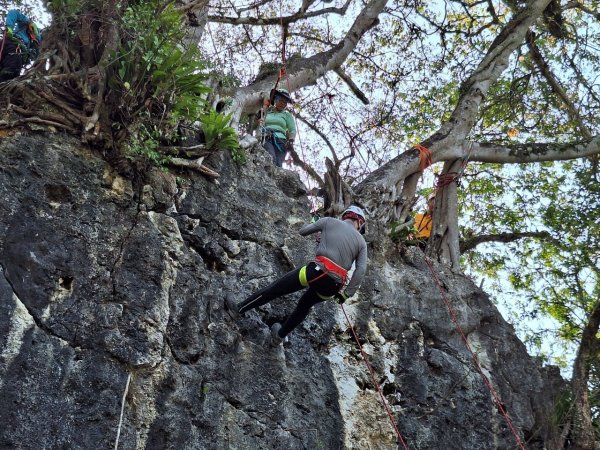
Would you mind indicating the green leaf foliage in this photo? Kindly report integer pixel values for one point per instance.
(220, 136)
(156, 73)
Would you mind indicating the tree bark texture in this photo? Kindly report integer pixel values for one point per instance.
(307, 71)
(583, 434)
(380, 188)
(444, 241)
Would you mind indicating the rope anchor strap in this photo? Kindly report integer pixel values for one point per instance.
(424, 156)
(375, 383)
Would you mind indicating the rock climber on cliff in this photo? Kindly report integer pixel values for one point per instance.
(340, 246)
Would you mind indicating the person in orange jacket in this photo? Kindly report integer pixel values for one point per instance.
(424, 222)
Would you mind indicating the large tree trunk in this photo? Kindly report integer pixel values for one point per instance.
(444, 241)
(583, 433)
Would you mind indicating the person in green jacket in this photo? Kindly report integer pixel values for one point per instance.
(279, 128)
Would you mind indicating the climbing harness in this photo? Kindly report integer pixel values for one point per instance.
(331, 267)
(269, 135)
(375, 383)
(487, 382)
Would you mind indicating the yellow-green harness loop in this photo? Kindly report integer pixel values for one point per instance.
(304, 282)
(302, 277)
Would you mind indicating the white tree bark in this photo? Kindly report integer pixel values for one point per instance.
(307, 71)
(443, 243)
(379, 190)
(527, 153)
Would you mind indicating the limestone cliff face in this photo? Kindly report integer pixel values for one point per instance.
(104, 279)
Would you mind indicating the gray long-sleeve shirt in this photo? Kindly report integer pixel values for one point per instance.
(341, 243)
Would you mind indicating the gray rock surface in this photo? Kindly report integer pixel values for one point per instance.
(103, 278)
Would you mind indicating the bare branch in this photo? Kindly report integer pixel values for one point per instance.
(300, 15)
(195, 164)
(314, 128)
(470, 244)
(307, 71)
(527, 153)
(194, 151)
(582, 7)
(306, 167)
(353, 87)
(193, 5)
(555, 85)
(11, 124)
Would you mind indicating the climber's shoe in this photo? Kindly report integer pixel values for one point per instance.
(232, 306)
(276, 339)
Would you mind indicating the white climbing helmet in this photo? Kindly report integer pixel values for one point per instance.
(356, 213)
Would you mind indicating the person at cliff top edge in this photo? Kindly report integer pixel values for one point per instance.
(20, 44)
(279, 128)
(341, 245)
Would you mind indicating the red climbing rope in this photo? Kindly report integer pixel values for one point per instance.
(443, 181)
(446, 179)
(346, 128)
(385, 405)
(487, 382)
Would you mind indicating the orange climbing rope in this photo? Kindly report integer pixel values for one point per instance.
(284, 74)
(385, 405)
(424, 156)
(487, 382)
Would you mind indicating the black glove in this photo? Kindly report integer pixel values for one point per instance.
(289, 145)
(340, 297)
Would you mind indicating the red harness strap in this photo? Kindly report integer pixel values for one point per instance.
(332, 267)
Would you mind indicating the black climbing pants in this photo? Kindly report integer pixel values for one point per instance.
(320, 287)
(11, 60)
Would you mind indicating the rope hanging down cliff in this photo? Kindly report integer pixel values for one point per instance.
(486, 380)
(372, 373)
(443, 181)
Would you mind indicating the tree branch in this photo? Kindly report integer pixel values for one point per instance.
(306, 167)
(470, 244)
(380, 189)
(195, 164)
(307, 71)
(555, 85)
(313, 127)
(352, 85)
(300, 15)
(527, 153)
